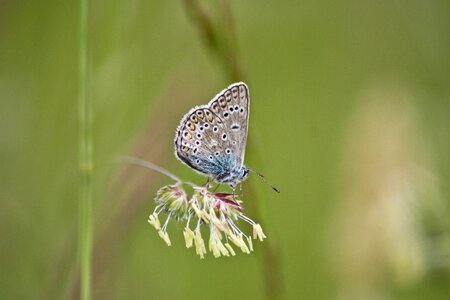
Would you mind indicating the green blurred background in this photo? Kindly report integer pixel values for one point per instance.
(349, 118)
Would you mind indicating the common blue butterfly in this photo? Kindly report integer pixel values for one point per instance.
(211, 138)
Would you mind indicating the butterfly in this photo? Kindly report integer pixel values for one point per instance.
(211, 138)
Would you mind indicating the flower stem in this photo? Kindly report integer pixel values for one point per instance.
(85, 160)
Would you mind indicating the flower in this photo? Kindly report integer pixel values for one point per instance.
(165, 237)
(173, 200)
(153, 220)
(199, 244)
(218, 213)
(258, 232)
(188, 237)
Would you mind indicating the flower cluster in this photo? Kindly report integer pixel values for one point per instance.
(219, 212)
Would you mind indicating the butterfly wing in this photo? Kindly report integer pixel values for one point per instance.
(232, 105)
(209, 135)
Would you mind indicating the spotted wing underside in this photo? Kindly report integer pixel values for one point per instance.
(210, 131)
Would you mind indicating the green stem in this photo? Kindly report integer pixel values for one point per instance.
(85, 161)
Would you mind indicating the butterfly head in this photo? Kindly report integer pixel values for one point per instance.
(244, 173)
(240, 176)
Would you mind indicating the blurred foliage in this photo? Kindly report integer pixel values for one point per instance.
(307, 64)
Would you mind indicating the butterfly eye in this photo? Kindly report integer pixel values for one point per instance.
(217, 153)
(195, 150)
(224, 137)
(210, 157)
(201, 128)
(226, 114)
(235, 127)
(236, 108)
(199, 135)
(215, 129)
(242, 110)
(194, 119)
(197, 161)
(228, 151)
(197, 143)
(206, 125)
(231, 109)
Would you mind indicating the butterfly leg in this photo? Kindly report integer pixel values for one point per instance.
(233, 187)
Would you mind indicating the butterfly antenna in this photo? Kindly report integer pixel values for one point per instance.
(265, 180)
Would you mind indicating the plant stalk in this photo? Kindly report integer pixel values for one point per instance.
(85, 160)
